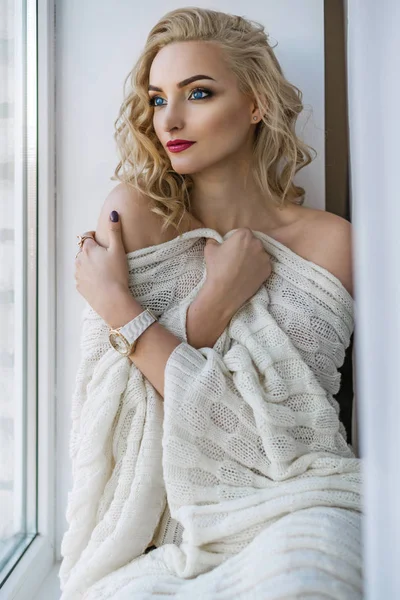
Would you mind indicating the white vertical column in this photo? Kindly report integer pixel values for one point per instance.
(374, 92)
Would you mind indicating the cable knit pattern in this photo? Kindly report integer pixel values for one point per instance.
(246, 458)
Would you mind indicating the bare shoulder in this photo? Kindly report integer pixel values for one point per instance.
(326, 240)
(141, 228)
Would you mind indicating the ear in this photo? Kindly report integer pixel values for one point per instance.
(258, 108)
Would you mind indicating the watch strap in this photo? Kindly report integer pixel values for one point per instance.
(132, 330)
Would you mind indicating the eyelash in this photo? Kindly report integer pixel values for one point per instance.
(209, 92)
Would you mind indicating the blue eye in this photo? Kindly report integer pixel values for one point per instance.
(153, 100)
(199, 91)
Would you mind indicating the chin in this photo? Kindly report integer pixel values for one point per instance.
(192, 166)
(185, 170)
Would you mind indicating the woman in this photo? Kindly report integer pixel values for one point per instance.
(246, 456)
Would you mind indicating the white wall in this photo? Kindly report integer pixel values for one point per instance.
(96, 45)
(374, 89)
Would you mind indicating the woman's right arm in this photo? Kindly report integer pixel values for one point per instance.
(235, 271)
(206, 319)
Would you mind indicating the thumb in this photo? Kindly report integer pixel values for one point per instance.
(114, 226)
(212, 242)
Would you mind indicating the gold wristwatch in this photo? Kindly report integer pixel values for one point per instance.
(124, 339)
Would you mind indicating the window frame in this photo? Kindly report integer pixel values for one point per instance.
(38, 559)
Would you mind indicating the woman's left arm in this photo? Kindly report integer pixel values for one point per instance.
(101, 277)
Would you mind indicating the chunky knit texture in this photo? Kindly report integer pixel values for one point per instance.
(242, 475)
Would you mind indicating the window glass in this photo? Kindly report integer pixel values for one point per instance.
(17, 281)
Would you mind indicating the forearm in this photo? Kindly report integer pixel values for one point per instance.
(206, 320)
(207, 317)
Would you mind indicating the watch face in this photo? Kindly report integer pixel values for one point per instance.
(119, 343)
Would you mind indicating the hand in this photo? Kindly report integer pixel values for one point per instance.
(236, 269)
(101, 274)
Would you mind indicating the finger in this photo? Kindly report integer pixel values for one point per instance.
(114, 228)
(88, 243)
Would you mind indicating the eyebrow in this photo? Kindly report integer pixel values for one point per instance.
(183, 83)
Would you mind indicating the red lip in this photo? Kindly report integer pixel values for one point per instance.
(177, 142)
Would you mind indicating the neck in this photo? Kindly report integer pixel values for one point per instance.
(224, 203)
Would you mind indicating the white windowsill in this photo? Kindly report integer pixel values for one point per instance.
(50, 589)
(31, 570)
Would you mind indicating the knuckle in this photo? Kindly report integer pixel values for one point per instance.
(244, 233)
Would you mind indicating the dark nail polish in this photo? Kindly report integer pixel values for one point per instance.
(114, 216)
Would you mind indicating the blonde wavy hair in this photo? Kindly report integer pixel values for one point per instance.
(278, 154)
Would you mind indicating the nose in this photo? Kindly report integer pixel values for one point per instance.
(172, 118)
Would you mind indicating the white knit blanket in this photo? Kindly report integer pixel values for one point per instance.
(245, 460)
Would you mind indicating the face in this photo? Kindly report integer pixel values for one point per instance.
(213, 113)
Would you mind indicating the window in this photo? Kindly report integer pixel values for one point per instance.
(18, 274)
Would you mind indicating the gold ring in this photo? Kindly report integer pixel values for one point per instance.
(85, 236)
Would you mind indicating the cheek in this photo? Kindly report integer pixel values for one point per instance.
(228, 127)
(157, 128)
